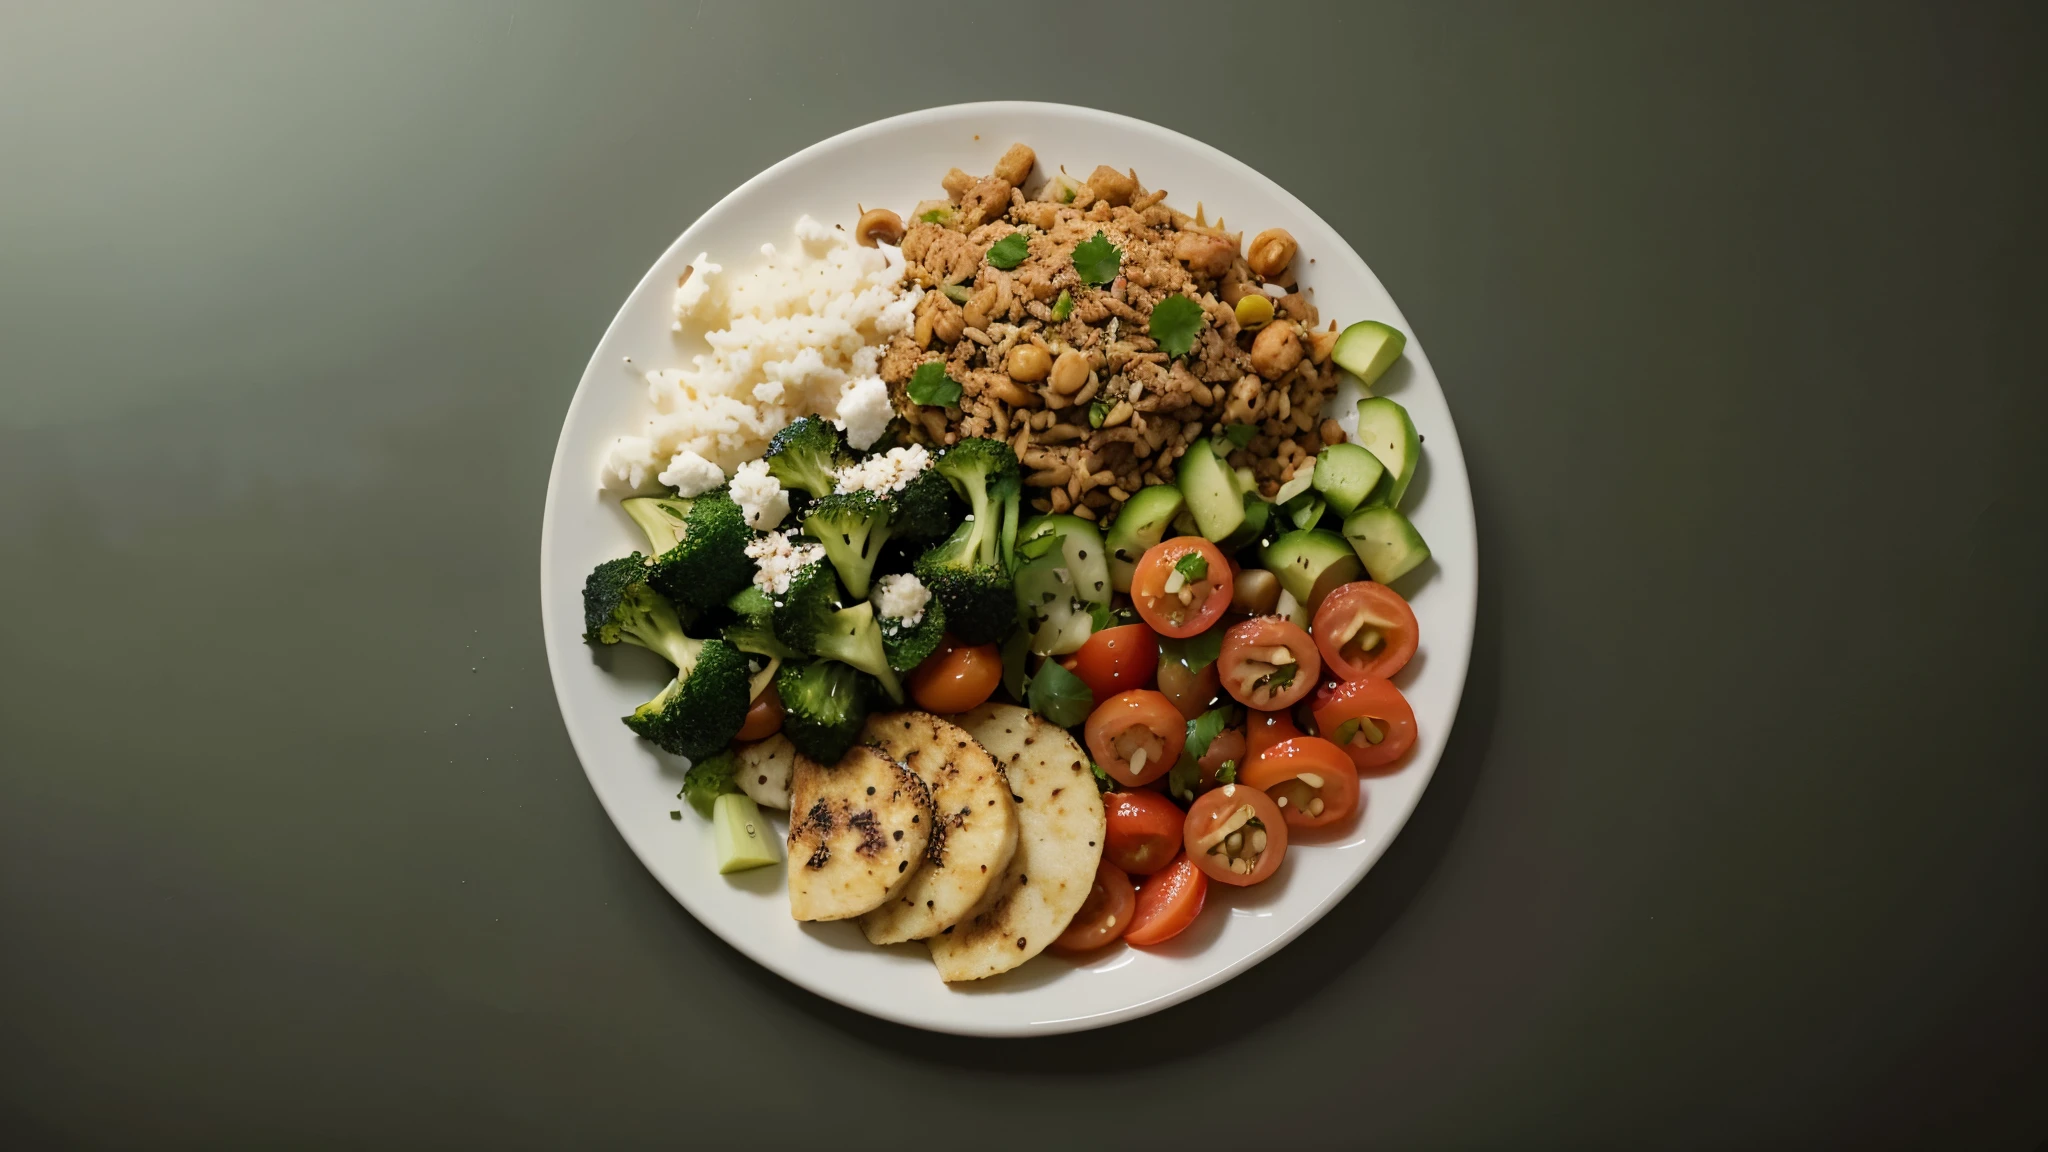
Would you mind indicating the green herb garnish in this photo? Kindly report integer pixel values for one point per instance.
(1240, 435)
(1010, 251)
(1192, 567)
(1102, 781)
(1196, 652)
(1097, 260)
(1228, 773)
(1059, 695)
(1062, 307)
(931, 386)
(1097, 413)
(1175, 322)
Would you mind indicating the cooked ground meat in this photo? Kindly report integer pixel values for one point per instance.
(1098, 410)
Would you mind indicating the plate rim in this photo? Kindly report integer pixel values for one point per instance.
(549, 592)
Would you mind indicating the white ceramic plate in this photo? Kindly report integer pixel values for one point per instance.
(895, 163)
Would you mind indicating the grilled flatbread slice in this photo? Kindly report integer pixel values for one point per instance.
(763, 769)
(1059, 843)
(973, 839)
(856, 829)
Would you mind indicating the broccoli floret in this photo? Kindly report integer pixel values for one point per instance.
(700, 546)
(824, 705)
(619, 606)
(753, 626)
(907, 647)
(810, 619)
(969, 571)
(854, 527)
(806, 454)
(708, 779)
(702, 708)
(924, 507)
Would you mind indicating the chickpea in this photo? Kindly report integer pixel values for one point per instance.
(1028, 363)
(956, 184)
(1111, 186)
(878, 224)
(1276, 351)
(982, 305)
(1332, 432)
(948, 322)
(1069, 372)
(1205, 255)
(1016, 164)
(1271, 252)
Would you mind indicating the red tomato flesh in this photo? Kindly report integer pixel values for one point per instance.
(1136, 736)
(1366, 630)
(1236, 835)
(1311, 781)
(764, 715)
(1143, 831)
(1116, 660)
(1174, 603)
(1168, 901)
(1268, 663)
(1370, 720)
(1105, 915)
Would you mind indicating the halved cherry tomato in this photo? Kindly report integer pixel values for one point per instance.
(1268, 663)
(1168, 901)
(1360, 710)
(1366, 630)
(1311, 780)
(1171, 600)
(1236, 834)
(1191, 691)
(1116, 660)
(1264, 729)
(764, 715)
(1105, 915)
(1143, 831)
(1136, 736)
(956, 678)
(1226, 748)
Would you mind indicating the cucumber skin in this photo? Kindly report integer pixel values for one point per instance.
(1142, 523)
(1392, 486)
(1323, 549)
(1216, 502)
(1365, 355)
(1335, 467)
(1386, 542)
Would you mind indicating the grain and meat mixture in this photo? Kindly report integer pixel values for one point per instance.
(1064, 369)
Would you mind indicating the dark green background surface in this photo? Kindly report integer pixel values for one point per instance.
(1739, 841)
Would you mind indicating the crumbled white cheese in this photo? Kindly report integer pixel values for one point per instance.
(760, 495)
(776, 559)
(889, 472)
(901, 597)
(691, 475)
(864, 411)
(630, 462)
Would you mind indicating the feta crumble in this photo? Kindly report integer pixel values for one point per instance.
(777, 558)
(889, 472)
(864, 411)
(691, 475)
(901, 597)
(760, 495)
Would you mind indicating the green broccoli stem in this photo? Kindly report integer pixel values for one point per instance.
(657, 628)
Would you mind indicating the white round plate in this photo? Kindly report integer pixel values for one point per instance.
(896, 163)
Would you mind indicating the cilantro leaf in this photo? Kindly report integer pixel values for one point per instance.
(1100, 617)
(1181, 781)
(1196, 652)
(930, 385)
(1010, 251)
(1204, 729)
(708, 779)
(1192, 567)
(1175, 322)
(1102, 781)
(1059, 695)
(1228, 773)
(1280, 677)
(1063, 307)
(1097, 260)
(1240, 435)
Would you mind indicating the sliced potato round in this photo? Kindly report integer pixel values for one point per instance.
(763, 771)
(856, 830)
(1059, 843)
(972, 839)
